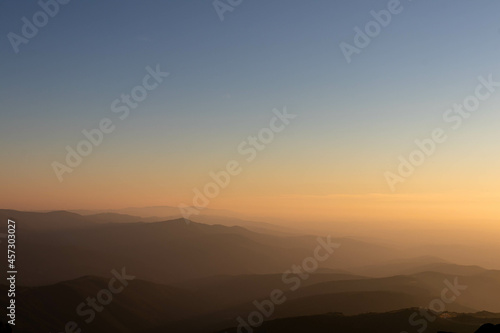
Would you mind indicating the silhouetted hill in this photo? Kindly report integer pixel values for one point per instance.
(56, 220)
(416, 265)
(206, 216)
(161, 250)
(390, 322)
(140, 304)
(397, 266)
(489, 328)
(215, 273)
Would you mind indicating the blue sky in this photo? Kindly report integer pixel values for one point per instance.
(263, 55)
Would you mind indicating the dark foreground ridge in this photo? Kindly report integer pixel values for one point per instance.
(396, 321)
(489, 328)
(5, 328)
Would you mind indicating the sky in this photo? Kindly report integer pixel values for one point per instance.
(227, 80)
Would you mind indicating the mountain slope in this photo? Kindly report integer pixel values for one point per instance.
(139, 304)
(171, 251)
(391, 322)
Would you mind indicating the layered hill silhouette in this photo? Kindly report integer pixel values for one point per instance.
(415, 265)
(205, 215)
(56, 220)
(167, 251)
(196, 277)
(49, 308)
(149, 307)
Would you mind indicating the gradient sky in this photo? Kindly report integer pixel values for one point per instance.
(353, 120)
